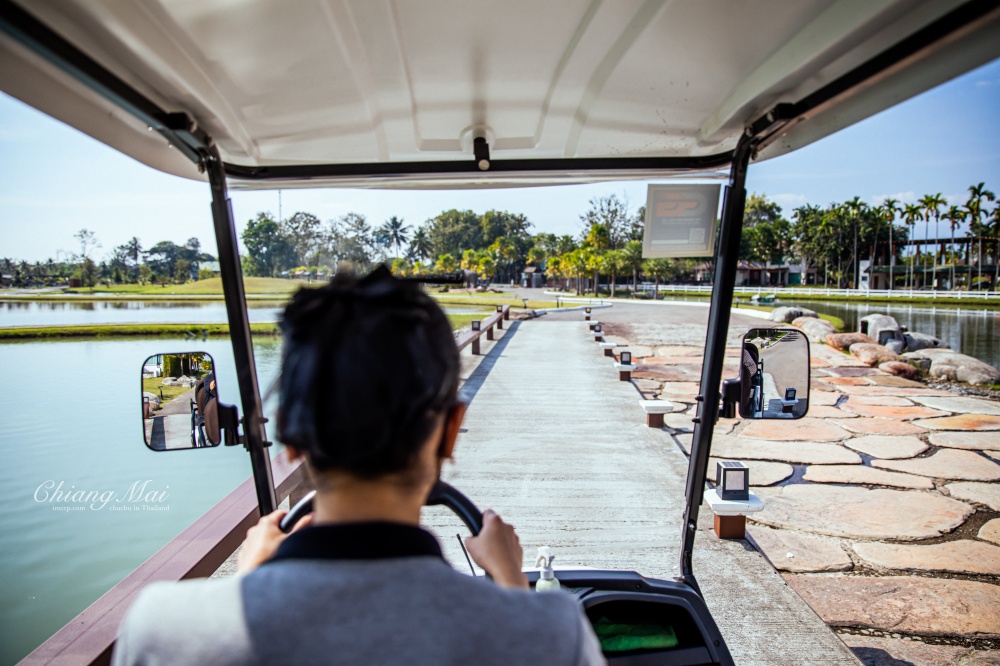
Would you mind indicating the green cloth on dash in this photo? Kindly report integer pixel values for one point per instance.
(625, 637)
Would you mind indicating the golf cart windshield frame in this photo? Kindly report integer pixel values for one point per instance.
(183, 133)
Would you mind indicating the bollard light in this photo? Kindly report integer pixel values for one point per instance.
(499, 308)
(476, 325)
(625, 358)
(790, 394)
(732, 480)
(587, 310)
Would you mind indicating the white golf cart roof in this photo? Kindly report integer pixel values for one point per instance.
(375, 86)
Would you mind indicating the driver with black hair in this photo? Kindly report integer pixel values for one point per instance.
(368, 396)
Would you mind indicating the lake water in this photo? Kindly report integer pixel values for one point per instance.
(970, 331)
(70, 417)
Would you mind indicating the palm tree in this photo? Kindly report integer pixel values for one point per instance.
(658, 269)
(854, 208)
(911, 213)
(975, 208)
(395, 233)
(995, 216)
(420, 245)
(955, 216)
(889, 210)
(931, 204)
(134, 249)
(614, 264)
(632, 253)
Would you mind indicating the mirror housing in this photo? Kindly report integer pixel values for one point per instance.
(774, 376)
(180, 403)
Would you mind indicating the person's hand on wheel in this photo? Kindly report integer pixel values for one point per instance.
(498, 551)
(263, 540)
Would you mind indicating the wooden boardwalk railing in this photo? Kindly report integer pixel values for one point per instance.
(196, 552)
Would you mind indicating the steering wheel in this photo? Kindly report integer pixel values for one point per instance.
(442, 494)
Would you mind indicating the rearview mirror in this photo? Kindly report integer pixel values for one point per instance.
(774, 374)
(180, 402)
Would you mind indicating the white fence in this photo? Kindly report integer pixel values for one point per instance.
(805, 293)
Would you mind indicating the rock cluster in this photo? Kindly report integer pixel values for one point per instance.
(948, 364)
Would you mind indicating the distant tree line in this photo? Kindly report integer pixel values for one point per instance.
(129, 263)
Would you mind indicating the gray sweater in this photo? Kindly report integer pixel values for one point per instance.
(412, 610)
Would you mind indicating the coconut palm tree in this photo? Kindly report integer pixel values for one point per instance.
(931, 204)
(420, 245)
(974, 206)
(659, 270)
(614, 264)
(632, 253)
(395, 233)
(888, 211)
(955, 217)
(912, 213)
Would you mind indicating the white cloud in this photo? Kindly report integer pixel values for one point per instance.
(789, 201)
(986, 83)
(902, 197)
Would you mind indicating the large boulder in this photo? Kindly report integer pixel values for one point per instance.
(871, 354)
(787, 314)
(900, 369)
(918, 341)
(881, 328)
(843, 341)
(815, 329)
(948, 364)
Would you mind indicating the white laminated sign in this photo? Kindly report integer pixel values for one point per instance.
(680, 221)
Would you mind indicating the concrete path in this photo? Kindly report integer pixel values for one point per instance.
(558, 446)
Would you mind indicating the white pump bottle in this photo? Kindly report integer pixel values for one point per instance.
(547, 581)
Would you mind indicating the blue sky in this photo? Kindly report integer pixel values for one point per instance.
(56, 180)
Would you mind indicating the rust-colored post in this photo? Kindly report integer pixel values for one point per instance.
(730, 527)
(654, 420)
(489, 333)
(475, 347)
(625, 375)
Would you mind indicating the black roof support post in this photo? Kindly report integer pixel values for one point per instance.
(254, 435)
(726, 260)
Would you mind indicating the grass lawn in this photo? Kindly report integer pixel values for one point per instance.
(838, 323)
(155, 386)
(490, 300)
(209, 287)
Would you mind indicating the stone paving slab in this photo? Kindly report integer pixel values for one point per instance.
(966, 440)
(878, 426)
(891, 390)
(963, 556)
(947, 464)
(893, 412)
(816, 453)
(796, 552)
(882, 401)
(762, 472)
(991, 531)
(972, 491)
(823, 398)
(862, 475)
(907, 604)
(960, 405)
(878, 651)
(887, 446)
(827, 412)
(804, 429)
(858, 513)
(972, 422)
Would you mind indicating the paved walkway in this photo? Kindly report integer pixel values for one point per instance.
(558, 446)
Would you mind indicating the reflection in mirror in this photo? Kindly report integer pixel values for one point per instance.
(180, 402)
(774, 374)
